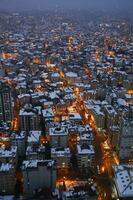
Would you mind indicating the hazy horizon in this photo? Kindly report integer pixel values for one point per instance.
(103, 5)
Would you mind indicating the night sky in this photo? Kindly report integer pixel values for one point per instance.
(109, 5)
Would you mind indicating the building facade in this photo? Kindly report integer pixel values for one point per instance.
(38, 174)
(126, 140)
(7, 179)
(5, 103)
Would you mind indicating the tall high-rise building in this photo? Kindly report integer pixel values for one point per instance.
(5, 103)
(7, 178)
(38, 174)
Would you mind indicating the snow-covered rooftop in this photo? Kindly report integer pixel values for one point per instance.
(11, 152)
(60, 152)
(124, 180)
(6, 167)
(62, 130)
(85, 149)
(35, 163)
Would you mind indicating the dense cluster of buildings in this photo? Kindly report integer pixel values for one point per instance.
(63, 86)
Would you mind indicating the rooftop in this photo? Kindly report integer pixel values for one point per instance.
(48, 113)
(10, 152)
(71, 75)
(6, 167)
(34, 136)
(124, 180)
(60, 152)
(31, 164)
(85, 149)
(59, 130)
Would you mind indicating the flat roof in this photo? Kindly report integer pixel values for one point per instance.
(124, 180)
